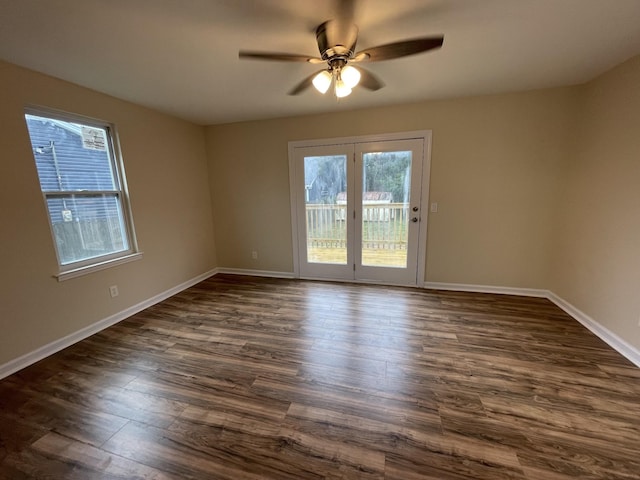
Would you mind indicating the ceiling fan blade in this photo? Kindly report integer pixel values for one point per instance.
(344, 31)
(345, 10)
(303, 85)
(398, 49)
(369, 81)
(278, 57)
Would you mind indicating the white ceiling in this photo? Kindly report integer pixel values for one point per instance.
(181, 56)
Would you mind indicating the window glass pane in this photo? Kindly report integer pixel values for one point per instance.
(79, 177)
(325, 180)
(70, 156)
(86, 226)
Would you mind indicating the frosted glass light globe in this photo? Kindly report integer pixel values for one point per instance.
(350, 76)
(342, 89)
(322, 81)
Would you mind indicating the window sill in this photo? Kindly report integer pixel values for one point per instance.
(78, 272)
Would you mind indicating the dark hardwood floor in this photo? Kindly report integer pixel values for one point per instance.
(253, 378)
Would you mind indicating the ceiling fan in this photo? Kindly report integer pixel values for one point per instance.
(337, 45)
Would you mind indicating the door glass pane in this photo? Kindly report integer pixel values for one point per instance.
(325, 183)
(386, 181)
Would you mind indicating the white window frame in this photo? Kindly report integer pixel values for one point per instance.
(120, 192)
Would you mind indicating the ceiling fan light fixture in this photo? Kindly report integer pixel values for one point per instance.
(322, 81)
(341, 89)
(350, 76)
(336, 41)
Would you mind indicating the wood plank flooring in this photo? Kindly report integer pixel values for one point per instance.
(253, 378)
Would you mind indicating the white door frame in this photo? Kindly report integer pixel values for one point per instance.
(424, 135)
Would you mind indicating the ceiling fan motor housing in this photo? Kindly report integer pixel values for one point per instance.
(336, 39)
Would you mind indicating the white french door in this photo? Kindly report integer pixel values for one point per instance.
(357, 209)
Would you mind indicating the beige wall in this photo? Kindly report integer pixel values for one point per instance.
(596, 266)
(535, 190)
(166, 168)
(497, 162)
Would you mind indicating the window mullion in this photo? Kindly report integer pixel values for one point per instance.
(83, 193)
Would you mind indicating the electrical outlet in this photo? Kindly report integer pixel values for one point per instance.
(254, 255)
(113, 290)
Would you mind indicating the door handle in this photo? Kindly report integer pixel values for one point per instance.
(414, 219)
(415, 209)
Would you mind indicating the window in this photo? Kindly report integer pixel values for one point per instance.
(82, 183)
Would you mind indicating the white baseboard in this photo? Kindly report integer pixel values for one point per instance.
(64, 342)
(255, 273)
(462, 287)
(614, 341)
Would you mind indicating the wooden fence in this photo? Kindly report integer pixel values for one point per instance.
(384, 226)
(89, 238)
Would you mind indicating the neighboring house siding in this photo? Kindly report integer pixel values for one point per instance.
(78, 168)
